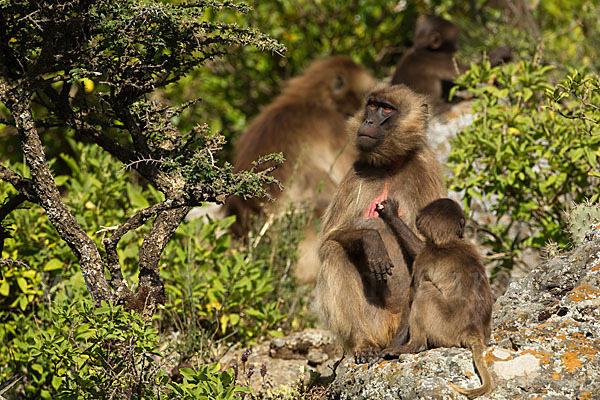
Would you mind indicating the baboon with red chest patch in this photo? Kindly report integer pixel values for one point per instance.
(363, 285)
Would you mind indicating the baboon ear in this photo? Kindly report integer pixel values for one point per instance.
(425, 107)
(338, 86)
(435, 40)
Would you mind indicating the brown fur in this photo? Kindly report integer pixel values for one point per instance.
(365, 314)
(429, 66)
(452, 302)
(306, 123)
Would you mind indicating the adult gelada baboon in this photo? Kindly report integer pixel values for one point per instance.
(363, 286)
(307, 124)
(452, 300)
(429, 67)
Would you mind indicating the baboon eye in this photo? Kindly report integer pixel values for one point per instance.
(387, 110)
(372, 107)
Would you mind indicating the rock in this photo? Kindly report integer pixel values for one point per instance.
(286, 359)
(444, 127)
(545, 343)
(300, 346)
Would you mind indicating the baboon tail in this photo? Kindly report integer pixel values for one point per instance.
(486, 379)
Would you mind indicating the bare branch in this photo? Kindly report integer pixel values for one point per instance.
(11, 204)
(117, 281)
(10, 261)
(23, 185)
(151, 286)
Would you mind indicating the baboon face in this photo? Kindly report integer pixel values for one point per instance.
(371, 132)
(391, 125)
(435, 33)
(441, 221)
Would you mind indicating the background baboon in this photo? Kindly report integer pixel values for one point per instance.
(363, 284)
(429, 67)
(452, 300)
(306, 123)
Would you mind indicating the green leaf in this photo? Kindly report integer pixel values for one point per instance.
(56, 381)
(275, 333)
(234, 319)
(136, 198)
(23, 303)
(4, 288)
(53, 264)
(22, 284)
(188, 373)
(38, 368)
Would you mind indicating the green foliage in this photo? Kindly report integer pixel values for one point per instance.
(95, 186)
(215, 291)
(568, 32)
(104, 58)
(217, 294)
(235, 87)
(69, 349)
(108, 352)
(531, 150)
(205, 382)
(77, 350)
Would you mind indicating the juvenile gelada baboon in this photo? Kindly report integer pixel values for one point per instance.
(306, 123)
(452, 300)
(429, 67)
(363, 285)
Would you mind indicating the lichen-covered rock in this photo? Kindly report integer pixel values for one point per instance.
(545, 343)
(285, 360)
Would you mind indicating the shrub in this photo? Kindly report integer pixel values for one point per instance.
(532, 149)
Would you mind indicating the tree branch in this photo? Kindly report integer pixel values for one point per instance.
(11, 204)
(23, 185)
(17, 100)
(117, 282)
(151, 289)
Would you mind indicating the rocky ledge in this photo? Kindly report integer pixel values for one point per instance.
(545, 343)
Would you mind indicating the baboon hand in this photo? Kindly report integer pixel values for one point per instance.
(381, 268)
(366, 355)
(388, 209)
(378, 260)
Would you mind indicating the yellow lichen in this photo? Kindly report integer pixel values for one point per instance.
(490, 357)
(584, 292)
(540, 355)
(555, 375)
(571, 361)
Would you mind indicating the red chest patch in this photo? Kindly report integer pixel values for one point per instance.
(371, 211)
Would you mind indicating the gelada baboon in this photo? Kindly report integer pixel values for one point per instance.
(429, 67)
(362, 289)
(306, 123)
(451, 300)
